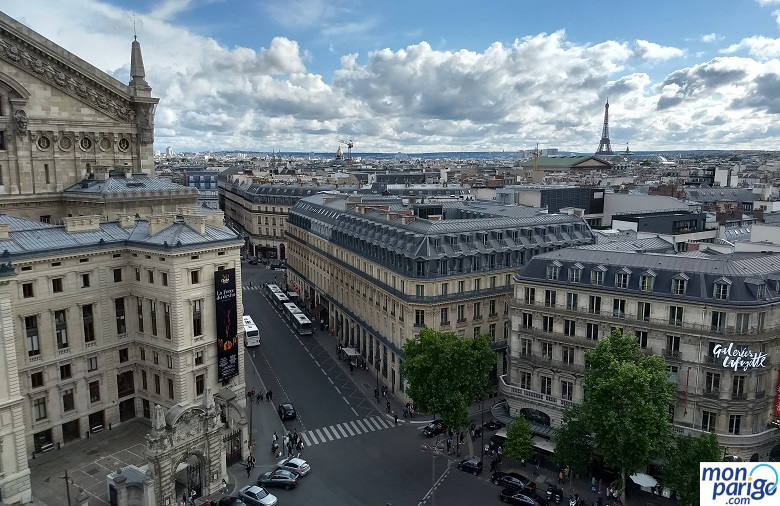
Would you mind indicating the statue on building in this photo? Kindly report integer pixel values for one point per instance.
(21, 122)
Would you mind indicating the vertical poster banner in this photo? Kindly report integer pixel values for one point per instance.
(777, 395)
(227, 339)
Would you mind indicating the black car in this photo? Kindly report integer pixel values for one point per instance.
(493, 425)
(231, 501)
(515, 481)
(434, 428)
(514, 496)
(278, 478)
(253, 261)
(287, 411)
(471, 465)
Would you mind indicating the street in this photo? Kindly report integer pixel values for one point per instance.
(358, 455)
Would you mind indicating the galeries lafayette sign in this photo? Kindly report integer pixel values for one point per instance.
(735, 357)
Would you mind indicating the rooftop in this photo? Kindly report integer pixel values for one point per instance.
(137, 183)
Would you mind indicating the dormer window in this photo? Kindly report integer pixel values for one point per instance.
(761, 292)
(646, 281)
(621, 278)
(679, 284)
(597, 275)
(575, 273)
(721, 290)
(553, 270)
(499, 236)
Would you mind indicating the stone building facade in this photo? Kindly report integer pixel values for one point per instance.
(377, 271)
(697, 311)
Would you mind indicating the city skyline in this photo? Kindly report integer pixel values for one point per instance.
(300, 75)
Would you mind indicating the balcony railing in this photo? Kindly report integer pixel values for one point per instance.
(546, 362)
(538, 397)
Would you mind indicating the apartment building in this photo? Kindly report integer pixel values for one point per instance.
(714, 318)
(376, 271)
(101, 321)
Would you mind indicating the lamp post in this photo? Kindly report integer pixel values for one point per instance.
(482, 429)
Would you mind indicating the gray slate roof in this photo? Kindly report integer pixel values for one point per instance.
(715, 194)
(129, 185)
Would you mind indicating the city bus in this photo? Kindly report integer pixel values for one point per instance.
(291, 309)
(251, 332)
(279, 299)
(272, 289)
(301, 324)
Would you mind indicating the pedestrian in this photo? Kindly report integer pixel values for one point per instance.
(560, 476)
(600, 485)
(248, 470)
(449, 445)
(286, 440)
(500, 453)
(270, 396)
(295, 436)
(376, 394)
(224, 488)
(300, 447)
(593, 487)
(259, 397)
(276, 438)
(388, 406)
(395, 416)
(411, 411)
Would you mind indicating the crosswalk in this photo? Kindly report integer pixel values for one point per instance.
(252, 288)
(345, 430)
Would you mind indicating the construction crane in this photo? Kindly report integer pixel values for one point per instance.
(349, 144)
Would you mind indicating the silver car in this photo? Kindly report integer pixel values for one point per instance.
(257, 496)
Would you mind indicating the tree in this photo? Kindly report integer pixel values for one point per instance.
(518, 440)
(445, 374)
(626, 404)
(681, 465)
(573, 442)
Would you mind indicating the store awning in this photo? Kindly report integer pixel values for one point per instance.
(544, 444)
(350, 352)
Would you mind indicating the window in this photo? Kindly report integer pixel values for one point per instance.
(735, 424)
(36, 379)
(477, 310)
(92, 364)
(718, 321)
(594, 304)
(492, 330)
(596, 277)
(547, 323)
(567, 354)
(477, 284)
(761, 291)
(61, 328)
(197, 317)
(31, 334)
(445, 316)
(142, 352)
(39, 409)
(575, 274)
(461, 286)
(619, 308)
(170, 388)
(621, 280)
(420, 290)
(68, 403)
(571, 301)
(569, 328)
(708, 420)
(94, 391)
(525, 380)
(65, 372)
(549, 298)
(547, 350)
(641, 338)
(124, 355)
(643, 311)
(552, 271)
(167, 319)
(567, 390)
(738, 387)
(712, 383)
(153, 316)
(119, 309)
(140, 303)
(492, 281)
(530, 295)
(742, 323)
(137, 274)
(198, 358)
(157, 384)
(477, 331)
(150, 275)
(27, 290)
(195, 277)
(87, 321)
(528, 320)
(721, 291)
(672, 346)
(525, 347)
(164, 276)
(85, 281)
(678, 286)
(461, 312)
(646, 283)
(492, 307)
(546, 385)
(144, 384)
(676, 315)
(117, 275)
(445, 288)
(419, 318)
(761, 321)
(56, 285)
(200, 384)
(592, 331)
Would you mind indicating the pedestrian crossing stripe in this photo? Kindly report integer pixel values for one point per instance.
(345, 430)
(251, 288)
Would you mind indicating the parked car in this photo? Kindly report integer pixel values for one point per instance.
(278, 478)
(231, 501)
(514, 496)
(253, 495)
(253, 261)
(512, 480)
(434, 428)
(492, 425)
(287, 411)
(296, 465)
(471, 465)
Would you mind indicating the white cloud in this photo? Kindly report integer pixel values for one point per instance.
(768, 2)
(757, 46)
(709, 38)
(417, 98)
(169, 8)
(647, 50)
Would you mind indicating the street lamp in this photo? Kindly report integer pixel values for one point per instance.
(482, 430)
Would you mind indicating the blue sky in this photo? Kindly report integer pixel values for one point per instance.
(439, 75)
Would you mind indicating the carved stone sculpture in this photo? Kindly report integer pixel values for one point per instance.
(21, 122)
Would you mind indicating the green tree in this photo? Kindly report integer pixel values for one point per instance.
(445, 374)
(681, 465)
(573, 442)
(518, 440)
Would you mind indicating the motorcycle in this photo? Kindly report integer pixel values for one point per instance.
(554, 494)
(574, 500)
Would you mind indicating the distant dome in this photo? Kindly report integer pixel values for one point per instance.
(339, 154)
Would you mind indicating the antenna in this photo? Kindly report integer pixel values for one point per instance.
(135, 35)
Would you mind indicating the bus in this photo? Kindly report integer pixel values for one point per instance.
(251, 332)
(289, 310)
(272, 289)
(294, 297)
(301, 324)
(279, 299)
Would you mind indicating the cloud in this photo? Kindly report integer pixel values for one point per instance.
(758, 46)
(767, 2)
(646, 50)
(169, 8)
(709, 38)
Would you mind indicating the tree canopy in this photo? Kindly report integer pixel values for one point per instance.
(446, 373)
(518, 440)
(681, 465)
(573, 441)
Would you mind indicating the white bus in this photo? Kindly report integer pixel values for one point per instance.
(301, 324)
(251, 332)
(279, 299)
(289, 310)
(272, 289)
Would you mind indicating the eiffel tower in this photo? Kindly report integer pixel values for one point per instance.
(604, 146)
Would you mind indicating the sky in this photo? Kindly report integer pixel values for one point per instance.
(438, 75)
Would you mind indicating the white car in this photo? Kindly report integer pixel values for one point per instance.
(295, 465)
(257, 496)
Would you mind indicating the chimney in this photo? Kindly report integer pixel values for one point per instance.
(197, 222)
(82, 223)
(3, 231)
(160, 222)
(127, 221)
(406, 219)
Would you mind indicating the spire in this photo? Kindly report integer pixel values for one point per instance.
(137, 72)
(604, 145)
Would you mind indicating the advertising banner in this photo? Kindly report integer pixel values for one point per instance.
(753, 483)
(777, 395)
(227, 340)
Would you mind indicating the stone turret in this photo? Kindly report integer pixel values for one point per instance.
(144, 105)
(137, 72)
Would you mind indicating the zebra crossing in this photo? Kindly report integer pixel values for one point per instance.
(252, 288)
(345, 430)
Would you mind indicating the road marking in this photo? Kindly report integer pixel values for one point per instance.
(375, 423)
(336, 434)
(345, 400)
(357, 429)
(346, 426)
(337, 388)
(338, 426)
(305, 439)
(366, 428)
(434, 487)
(312, 356)
(331, 381)
(318, 364)
(325, 431)
(380, 421)
(323, 371)
(322, 438)
(353, 410)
